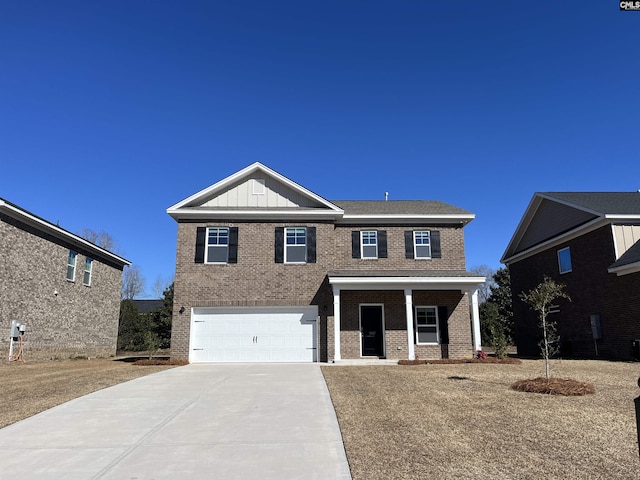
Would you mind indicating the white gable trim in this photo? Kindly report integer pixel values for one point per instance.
(182, 207)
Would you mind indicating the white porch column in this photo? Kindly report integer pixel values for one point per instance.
(408, 299)
(336, 324)
(475, 319)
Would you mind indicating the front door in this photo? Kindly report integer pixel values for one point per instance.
(372, 330)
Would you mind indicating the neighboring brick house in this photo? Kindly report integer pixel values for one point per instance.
(64, 288)
(590, 242)
(267, 270)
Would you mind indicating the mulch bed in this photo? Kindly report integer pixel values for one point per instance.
(160, 361)
(555, 386)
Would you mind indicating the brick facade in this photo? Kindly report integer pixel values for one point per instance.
(256, 280)
(80, 320)
(593, 291)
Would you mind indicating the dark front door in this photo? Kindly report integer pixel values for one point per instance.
(371, 331)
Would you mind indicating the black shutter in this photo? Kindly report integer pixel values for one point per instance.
(408, 244)
(201, 238)
(311, 244)
(355, 244)
(233, 245)
(279, 253)
(382, 244)
(443, 321)
(436, 252)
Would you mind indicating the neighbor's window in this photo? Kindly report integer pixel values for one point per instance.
(369, 244)
(295, 245)
(422, 244)
(217, 245)
(564, 260)
(71, 266)
(88, 266)
(427, 325)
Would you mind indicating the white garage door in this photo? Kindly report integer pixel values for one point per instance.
(253, 334)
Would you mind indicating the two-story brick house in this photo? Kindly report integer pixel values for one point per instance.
(65, 289)
(590, 243)
(267, 270)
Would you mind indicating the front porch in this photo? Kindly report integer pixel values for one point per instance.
(403, 315)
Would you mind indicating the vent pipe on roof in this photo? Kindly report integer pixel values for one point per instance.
(386, 196)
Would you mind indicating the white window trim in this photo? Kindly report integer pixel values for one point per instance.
(87, 261)
(560, 263)
(75, 263)
(384, 328)
(362, 245)
(207, 246)
(306, 239)
(415, 246)
(415, 316)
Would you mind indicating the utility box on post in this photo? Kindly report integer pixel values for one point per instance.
(15, 329)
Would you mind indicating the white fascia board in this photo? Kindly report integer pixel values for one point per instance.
(200, 214)
(398, 283)
(570, 235)
(242, 173)
(58, 232)
(461, 219)
(622, 218)
(625, 269)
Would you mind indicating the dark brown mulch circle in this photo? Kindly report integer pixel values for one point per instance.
(554, 386)
(158, 361)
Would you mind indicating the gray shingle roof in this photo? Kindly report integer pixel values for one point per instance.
(398, 207)
(629, 257)
(620, 203)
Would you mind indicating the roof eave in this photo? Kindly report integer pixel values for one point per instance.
(452, 219)
(211, 214)
(625, 269)
(43, 225)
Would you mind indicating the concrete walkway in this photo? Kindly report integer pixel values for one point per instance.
(240, 421)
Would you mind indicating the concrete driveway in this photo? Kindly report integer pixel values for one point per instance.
(232, 421)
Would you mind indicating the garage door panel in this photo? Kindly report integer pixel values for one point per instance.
(247, 334)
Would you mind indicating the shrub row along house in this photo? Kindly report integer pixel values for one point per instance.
(267, 270)
(590, 242)
(65, 289)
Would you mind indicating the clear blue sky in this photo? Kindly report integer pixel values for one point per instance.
(112, 111)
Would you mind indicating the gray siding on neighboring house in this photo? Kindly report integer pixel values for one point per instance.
(80, 320)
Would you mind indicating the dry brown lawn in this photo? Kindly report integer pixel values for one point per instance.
(30, 388)
(465, 421)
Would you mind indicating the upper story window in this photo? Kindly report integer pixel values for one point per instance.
(369, 242)
(71, 266)
(217, 245)
(422, 244)
(427, 325)
(296, 245)
(88, 267)
(564, 260)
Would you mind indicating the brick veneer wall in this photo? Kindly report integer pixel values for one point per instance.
(256, 280)
(79, 321)
(593, 291)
